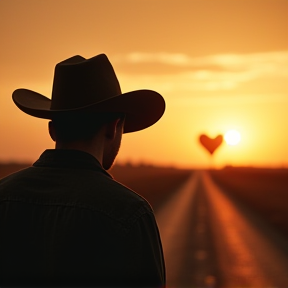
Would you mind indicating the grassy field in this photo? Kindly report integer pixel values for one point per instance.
(155, 184)
(8, 168)
(265, 191)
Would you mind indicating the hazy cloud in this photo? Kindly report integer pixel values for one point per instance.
(268, 60)
(213, 72)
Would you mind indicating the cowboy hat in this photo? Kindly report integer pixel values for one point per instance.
(91, 85)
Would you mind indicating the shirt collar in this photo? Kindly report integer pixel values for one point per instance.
(66, 158)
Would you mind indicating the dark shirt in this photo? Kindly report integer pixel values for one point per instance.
(66, 222)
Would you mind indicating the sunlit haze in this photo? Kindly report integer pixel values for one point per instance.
(232, 137)
(220, 65)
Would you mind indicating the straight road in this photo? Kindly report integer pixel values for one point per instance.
(210, 240)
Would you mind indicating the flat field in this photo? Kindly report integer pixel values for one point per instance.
(8, 168)
(155, 184)
(265, 191)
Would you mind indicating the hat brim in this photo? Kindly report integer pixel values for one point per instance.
(143, 108)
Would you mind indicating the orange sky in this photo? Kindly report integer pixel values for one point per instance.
(219, 64)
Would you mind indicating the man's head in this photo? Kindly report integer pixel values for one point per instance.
(90, 89)
(81, 126)
(97, 133)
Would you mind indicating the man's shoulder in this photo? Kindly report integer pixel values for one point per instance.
(119, 200)
(90, 190)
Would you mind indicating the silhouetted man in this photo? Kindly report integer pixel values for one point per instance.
(65, 221)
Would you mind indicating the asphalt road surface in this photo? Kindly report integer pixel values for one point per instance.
(210, 240)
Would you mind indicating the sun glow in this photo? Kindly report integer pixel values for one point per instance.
(232, 137)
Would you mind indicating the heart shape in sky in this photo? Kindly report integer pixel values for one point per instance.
(210, 144)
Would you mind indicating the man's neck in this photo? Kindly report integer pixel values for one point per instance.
(87, 146)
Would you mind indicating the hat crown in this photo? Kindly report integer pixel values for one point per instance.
(79, 82)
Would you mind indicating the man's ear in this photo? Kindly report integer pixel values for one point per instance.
(52, 131)
(111, 129)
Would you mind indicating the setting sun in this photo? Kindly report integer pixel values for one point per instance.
(232, 137)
